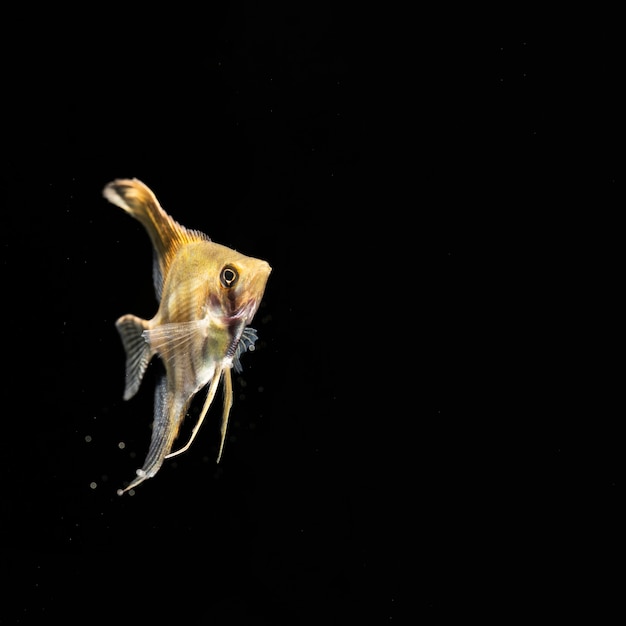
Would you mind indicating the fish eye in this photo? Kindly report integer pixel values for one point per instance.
(229, 276)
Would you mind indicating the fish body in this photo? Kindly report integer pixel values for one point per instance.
(208, 294)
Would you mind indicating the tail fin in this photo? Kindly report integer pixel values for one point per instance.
(138, 351)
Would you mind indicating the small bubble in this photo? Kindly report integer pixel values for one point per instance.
(93, 485)
(121, 445)
(87, 438)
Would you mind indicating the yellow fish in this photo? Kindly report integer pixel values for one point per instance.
(208, 294)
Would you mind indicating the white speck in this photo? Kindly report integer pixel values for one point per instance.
(87, 438)
(121, 445)
(140, 473)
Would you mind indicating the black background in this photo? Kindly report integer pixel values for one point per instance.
(414, 436)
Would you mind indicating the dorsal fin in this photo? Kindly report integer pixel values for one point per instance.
(166, 234)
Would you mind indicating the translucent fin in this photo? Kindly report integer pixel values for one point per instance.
(168, 415)
(246, 342)
(138, 352)
(168, 339)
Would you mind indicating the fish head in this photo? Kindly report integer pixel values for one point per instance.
(236, 285)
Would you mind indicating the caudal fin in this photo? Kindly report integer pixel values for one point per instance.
(138, 351)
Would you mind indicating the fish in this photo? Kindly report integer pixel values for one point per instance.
(207, 296)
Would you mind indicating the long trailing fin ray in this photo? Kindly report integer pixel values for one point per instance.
(207, 404)
(138, 353)
(228, 403)
(166, 234)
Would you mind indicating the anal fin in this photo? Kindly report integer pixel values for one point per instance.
(168, 416)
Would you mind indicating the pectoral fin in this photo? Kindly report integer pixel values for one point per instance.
(169, 340)
(246, 342)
